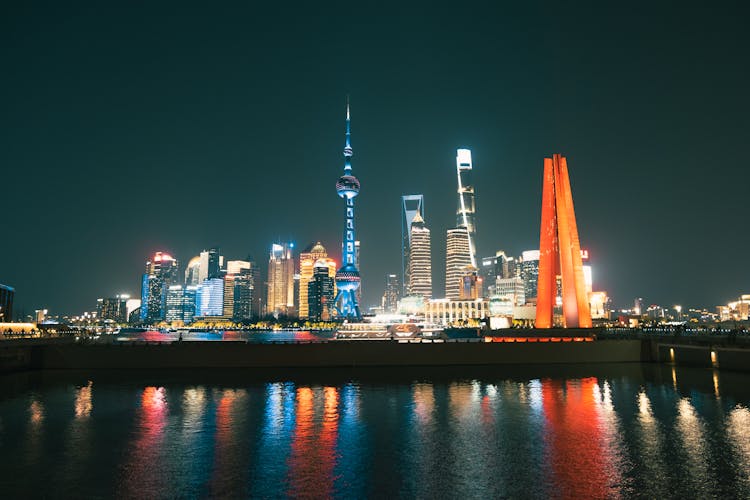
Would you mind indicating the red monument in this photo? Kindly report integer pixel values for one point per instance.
(560, 251)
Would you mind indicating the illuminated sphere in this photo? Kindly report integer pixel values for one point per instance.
(347, 278)
(347, 186)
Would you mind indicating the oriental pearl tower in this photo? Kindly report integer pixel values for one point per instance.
(347, 277)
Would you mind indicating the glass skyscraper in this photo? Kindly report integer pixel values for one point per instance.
(411, 205)
(466, 211)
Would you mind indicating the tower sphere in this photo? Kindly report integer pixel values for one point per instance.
(347, 186)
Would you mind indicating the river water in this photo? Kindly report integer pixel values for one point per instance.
(563, 432)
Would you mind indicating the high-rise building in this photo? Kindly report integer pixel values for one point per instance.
(638, 306)
(530, 273)
(391, 295)
(471, 286)
(347, 277)
(420, 259)
(457, 261)
(228, 300)
(411, 205)
(320, 293)
(210, 264)
(466, 212)
(281, 280)
(560, 249)
(244, 276)
(193, 272)
(181, 304)
(161, 273)
(491, 268)
(113, 308)
(307, 260)
(210, 297)
(6, 303)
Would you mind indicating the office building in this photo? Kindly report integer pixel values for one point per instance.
(530, 273)
(391, 295)
(466, 212)
(510, 289)
(192, 272)
(411, 205)
(113, 308)
(210, 264)
(320, 292)
(6, 303)
(161, 273)
(280, 297)
(420, 259)
(307, 259)
(457, 261)
(181, 304)
(210, 297)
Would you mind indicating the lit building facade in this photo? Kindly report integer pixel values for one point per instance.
(411, 205)
(6, 303)
(161, 273)
(192, 272)
(511, 289)
(466, 212)
(280, 299)
(347, 277)
(420, 259)
(210, 297)
(113, 308)
(181, 304)
(320, 293)
(210, 264)
(457, 261)
(456, 312)
(307, 260)
(530, 273)
(391, 295)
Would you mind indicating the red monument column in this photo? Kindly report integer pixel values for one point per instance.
(560, 251)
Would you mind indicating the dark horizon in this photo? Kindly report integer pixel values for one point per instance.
(149, 128)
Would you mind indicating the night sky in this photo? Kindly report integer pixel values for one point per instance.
(131, 128)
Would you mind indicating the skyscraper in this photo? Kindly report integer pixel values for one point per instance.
(420, 259)
(161, 273)
(320, 293)
(192, 271)
(281, 280)
(391, 295)
(210, 264)
(466, 212)
(457, 261)
(347, 277)
(411, 205)
(307, 260)
(181, 304)
(530, 273)
(560, 249)
(245, 288)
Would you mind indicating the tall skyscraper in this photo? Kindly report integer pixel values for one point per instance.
(391, 295)
(281, 280)
(420, 259)
(245, 277)
(347, 277)
(161, 273)
(530, 273)
(192, 272)
(320, 294)
(210, 264)
(411, 205)
(307, 260)
(457, 261)
(6, 303)
(466, 212)
(560, 249)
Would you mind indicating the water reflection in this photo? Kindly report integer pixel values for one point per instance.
(141, 471)
(691, 433)
(573, 437)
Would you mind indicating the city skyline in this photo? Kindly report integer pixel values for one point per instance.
(88, 142)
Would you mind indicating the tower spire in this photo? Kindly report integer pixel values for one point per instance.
(348, 152)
